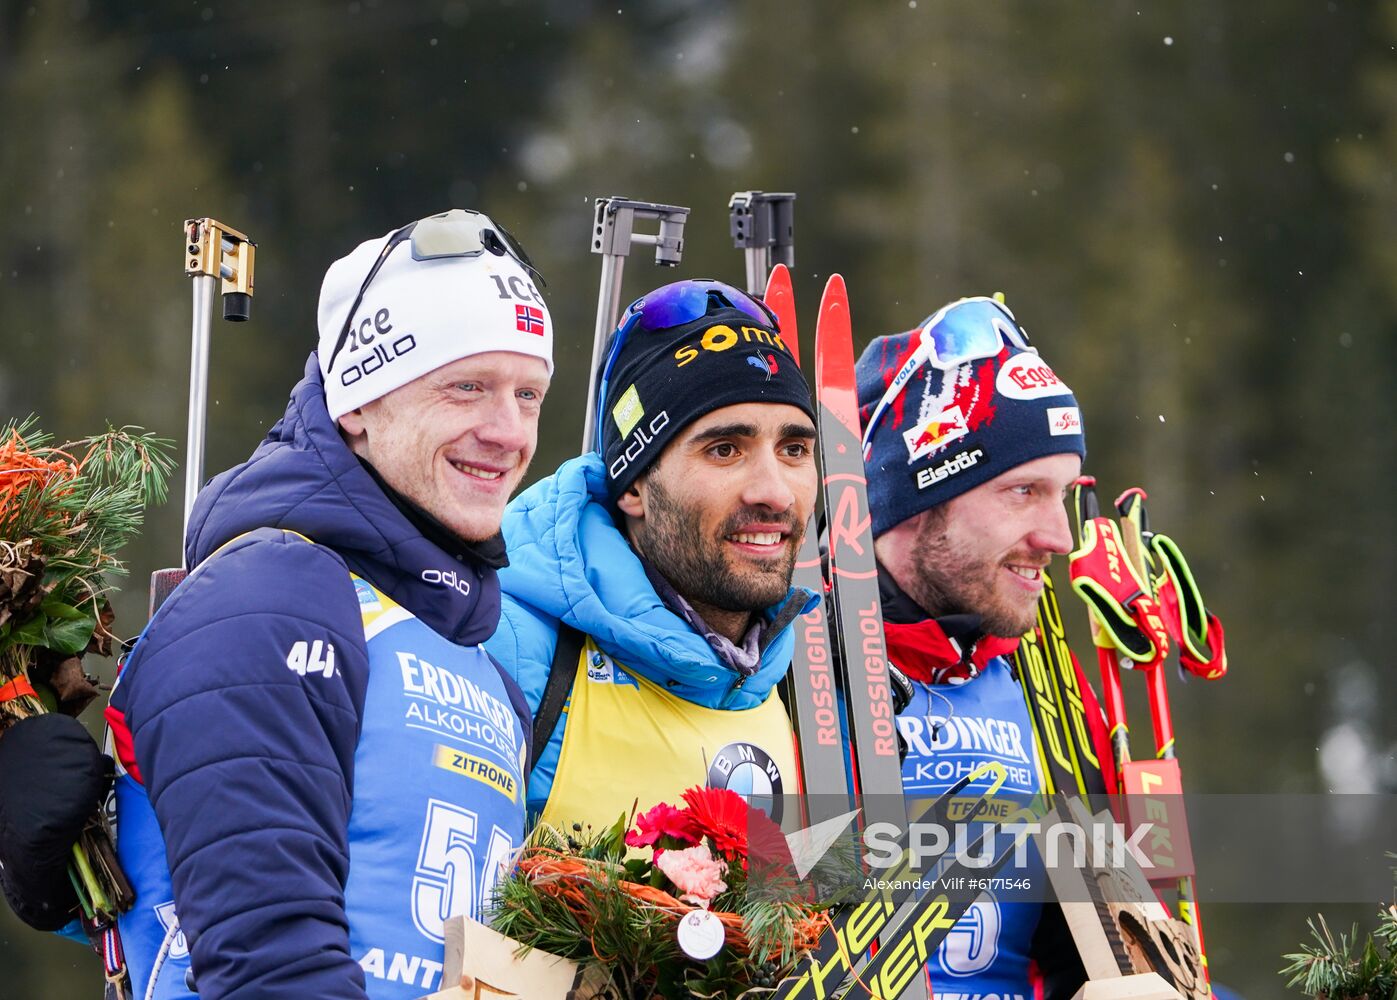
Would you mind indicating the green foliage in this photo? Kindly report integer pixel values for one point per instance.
(633, 941)
(1343, 967)
(65, 512)
(56, 626)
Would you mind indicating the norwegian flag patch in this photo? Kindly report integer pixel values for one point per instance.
(529, 319)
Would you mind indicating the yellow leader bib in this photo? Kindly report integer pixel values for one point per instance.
(628, 740)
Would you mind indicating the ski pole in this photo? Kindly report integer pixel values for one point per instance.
(1131, 510)
(1125, 623)
(762, 224)
(613, 234)
(1088, 512)
(1135, 533)
(1197, 632)
(1111, 571)
(213, 252)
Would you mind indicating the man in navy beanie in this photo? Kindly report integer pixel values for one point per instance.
(971, 442)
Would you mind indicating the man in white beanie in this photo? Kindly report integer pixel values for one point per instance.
(311, 736)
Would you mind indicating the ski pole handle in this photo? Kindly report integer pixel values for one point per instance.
(762, 224)
(1134, 521)
(1134, 524)
(213, 252)
(613, 234)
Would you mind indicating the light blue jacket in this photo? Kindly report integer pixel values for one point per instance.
(569, 562)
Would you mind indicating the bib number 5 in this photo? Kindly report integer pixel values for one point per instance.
(448, 881)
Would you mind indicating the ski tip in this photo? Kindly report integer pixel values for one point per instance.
(833, 321)
(834, 289)
(780, 299)
(835, 300)
(835, 367)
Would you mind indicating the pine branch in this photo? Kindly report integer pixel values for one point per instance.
(65, 512)
(1338, 967)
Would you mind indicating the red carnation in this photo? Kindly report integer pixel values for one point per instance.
(664, 821)
(721, 815)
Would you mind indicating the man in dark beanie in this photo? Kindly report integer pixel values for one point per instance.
(649, 582)
(971, 442)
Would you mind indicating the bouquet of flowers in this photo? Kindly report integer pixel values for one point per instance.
(65, 511)
(681, 916)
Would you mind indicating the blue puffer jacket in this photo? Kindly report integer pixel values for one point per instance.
(568, 562)
(319, 818)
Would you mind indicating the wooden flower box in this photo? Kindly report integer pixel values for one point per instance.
(480, 964)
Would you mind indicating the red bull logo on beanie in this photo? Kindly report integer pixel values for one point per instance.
(929, 436)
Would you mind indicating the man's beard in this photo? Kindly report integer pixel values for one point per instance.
(947, 581)
(698, 567)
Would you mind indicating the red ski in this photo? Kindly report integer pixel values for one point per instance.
(810, 686)
(858, 637)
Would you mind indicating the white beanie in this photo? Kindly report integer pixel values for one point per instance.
(418, 315)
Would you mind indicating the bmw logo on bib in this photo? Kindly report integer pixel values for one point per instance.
(748, 770)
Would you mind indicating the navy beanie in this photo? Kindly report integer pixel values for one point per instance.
(951, 430)
(664, 380)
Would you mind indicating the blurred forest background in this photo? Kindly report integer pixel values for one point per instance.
(1190, 206)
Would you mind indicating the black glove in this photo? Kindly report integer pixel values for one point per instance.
(52, 779)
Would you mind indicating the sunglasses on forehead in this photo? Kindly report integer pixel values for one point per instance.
(674, 305)
(457, 233)
(965, 330)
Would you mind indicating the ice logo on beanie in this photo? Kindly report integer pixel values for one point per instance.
(1027, 376)
(963, 403)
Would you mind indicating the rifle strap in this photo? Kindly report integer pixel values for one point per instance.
(561, 674)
